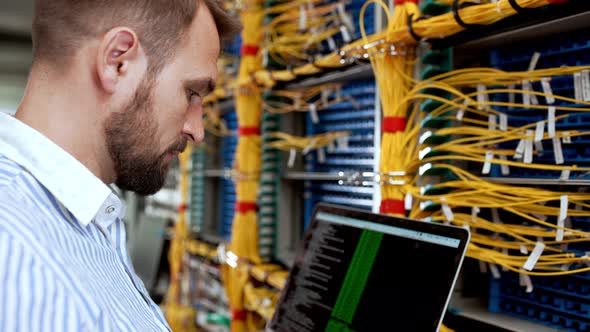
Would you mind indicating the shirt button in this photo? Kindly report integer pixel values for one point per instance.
(110, 209)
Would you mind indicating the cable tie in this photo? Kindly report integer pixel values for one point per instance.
(458, 18)
(518, 8)
(411, 30)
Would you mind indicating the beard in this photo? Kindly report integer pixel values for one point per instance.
(133, 144)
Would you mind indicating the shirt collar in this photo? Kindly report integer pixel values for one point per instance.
(80, 191)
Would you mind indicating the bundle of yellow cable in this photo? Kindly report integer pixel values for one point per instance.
(288, 142)
(179, 317)
(436, 27)
(244, 239)
(476, 141)
(298, 29)
(393, 71)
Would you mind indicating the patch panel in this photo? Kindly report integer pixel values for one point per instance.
(197, 189)
(561, 302)
(554, 53)
(227, 189)
(356, 155)
(558, 305)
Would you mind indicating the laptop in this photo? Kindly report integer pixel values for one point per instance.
(359, 271)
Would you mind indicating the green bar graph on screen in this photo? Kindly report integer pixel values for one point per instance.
(355, 282)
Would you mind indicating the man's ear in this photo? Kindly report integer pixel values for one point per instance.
(118, 50)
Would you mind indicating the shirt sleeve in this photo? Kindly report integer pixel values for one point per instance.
(31, 297)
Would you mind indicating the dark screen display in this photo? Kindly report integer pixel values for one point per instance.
(353, 278)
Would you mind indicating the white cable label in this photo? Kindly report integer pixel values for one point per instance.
(578, 86)
(331, 44)
(503, 122)
(292, 155)
(566, 139)
(530, 263)
(313, 112)
(495, 271)
(528, 148)
(446, 209)
(563, 206)
(474, 212)
(526, 96)
(551, 121)
(505, 169)
(523, 249)
(265, 58)
(487, 165)
(540, 131)
(331, 147)
(547, 90)
(481, 96)
(565, 175)
(560, 231)
(539, 147)
(321, 155)
(534, 61)
(302, 18)
(527, 282)
(325, 96)
(342, 142)
(345, 34)
(586, 85)
(492, 119)
(519, 149)
(496, 216)
(461, 112)
(408, 202)
(558, 152)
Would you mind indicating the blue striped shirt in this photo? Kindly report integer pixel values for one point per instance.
(64, 264)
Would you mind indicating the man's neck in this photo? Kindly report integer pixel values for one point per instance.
(62, 114)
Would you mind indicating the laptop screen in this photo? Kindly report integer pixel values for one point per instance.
(363, 272)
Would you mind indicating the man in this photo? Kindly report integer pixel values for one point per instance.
(114, 94)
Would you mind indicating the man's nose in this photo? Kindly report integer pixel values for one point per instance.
(193, 125)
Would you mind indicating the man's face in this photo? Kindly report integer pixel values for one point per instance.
(166, 112)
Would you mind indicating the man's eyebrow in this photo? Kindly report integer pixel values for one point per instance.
(203, 86)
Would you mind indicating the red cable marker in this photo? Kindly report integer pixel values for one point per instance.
(245, 207)
(393, 124)
(396, 206)
(249, 50)
(249, 131)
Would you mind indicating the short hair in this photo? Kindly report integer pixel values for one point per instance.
(61, 26)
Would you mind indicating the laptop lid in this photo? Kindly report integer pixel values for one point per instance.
(358, 271)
